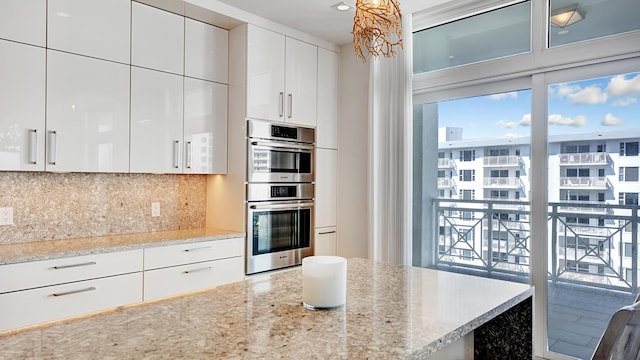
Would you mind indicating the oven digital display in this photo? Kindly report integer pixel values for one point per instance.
(284, 132)
(284, 191)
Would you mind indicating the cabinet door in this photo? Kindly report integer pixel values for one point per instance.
(22, 93)
(157, 39)
(95, 28)
(326, 241)
(87, 114)
(205, 127)
(265, 74)
(24, 21)
(156, 121)
(328, 95)
(326, 183)
(301, 77)
(206, 52)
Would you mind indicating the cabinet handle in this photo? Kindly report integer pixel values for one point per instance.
(189, 154)
(53, 147)
(176, 154)
(281, 105)
(33, 146)
(198, 249)
(74, 291)
(197, 270)
(290, 105)
(327, 232)
(74, 265)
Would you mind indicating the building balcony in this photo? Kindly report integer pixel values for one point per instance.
(445, 164)
(502, 161)
(502, 182)
(593, 183)
(584, 207)
(597, 158)
(446, 183)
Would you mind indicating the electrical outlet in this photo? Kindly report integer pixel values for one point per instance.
(155, 209)
(6, 216)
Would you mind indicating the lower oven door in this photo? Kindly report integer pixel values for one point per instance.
(279, 234)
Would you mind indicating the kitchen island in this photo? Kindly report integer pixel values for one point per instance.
(392, 312)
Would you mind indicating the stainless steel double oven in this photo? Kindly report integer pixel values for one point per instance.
(280, 195)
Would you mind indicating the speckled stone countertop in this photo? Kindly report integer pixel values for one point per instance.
(53, 249)
(392, 312)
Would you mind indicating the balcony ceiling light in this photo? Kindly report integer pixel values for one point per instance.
(566, 16)
(342, 6)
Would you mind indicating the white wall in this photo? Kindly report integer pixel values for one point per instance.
(353, 160)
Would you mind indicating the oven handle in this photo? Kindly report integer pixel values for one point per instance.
(295, 205)
(283, 145)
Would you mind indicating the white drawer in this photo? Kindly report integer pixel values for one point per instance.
(58, 271)
(180, 279)
(165, 256)
(23, 308)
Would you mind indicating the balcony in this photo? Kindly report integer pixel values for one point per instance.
(446, 183)
(502, 161)
(502, 182)
(593, 183)
(584, 207)
(590, 273)
(445, 164)
(597, 158)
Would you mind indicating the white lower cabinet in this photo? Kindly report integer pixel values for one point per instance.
(180, 279)
(326, 241)
(28, 307)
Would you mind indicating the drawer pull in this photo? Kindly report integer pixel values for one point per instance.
(327, 232)
(197, 270)
(74, 291)
(198, 249)
(74, 265)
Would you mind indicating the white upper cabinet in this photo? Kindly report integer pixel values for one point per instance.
(328, 99)
(24, 21)
(205, 127)
(281, 78)
(156, 121)
(95, 28)
(326, 187)
(87, 114)
(157, 39)
(206, 52)
(22, 98)
(265, 74)
(301, 82)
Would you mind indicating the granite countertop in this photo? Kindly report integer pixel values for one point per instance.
(53, 249)
(391, 312)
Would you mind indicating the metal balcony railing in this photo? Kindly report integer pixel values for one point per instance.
(502, 182)
(472, 236)
(446, 183)
(598, 183)
(445, 164)
(577, 206)
(597, 158)
(502, 161)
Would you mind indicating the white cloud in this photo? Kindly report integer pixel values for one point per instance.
(526, 120)
(619, 86)
(564, 90)
(610, 120)
(588, 96)
(578, 121)
(506, 124)
(507, 95)
(626, 101)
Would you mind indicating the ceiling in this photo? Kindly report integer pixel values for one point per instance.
(318, 17)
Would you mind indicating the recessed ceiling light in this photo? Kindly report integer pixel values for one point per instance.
(342, 6)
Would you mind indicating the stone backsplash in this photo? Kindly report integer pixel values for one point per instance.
(51, 206)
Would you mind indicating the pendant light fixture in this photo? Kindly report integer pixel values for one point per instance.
(377, 28)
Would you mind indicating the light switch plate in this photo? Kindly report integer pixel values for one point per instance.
(155, 209)
(6, 216)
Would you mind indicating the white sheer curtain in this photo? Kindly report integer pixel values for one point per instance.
(390, 124)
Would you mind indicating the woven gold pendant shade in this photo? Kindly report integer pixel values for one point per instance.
(377, 28)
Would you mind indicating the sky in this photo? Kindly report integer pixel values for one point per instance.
(595, 105)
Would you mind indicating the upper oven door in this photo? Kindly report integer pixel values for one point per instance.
(274, 161)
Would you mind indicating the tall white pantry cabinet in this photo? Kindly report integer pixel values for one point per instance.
(83, 57)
